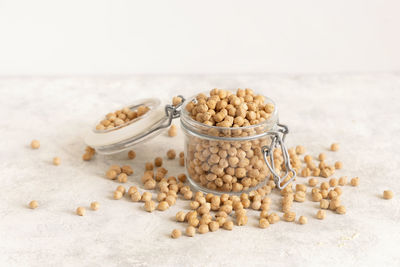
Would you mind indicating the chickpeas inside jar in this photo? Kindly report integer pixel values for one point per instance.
(225, 133)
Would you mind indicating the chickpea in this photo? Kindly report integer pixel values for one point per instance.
(312, 182)
(321, 214)
(131, 154)
(150, 184)
(307, 159)
(387, 194)
(273, 218)
(335, 147)
(149, 206)
(190, 231)
(241, 220)
(300, 196)
(172, 131)
(111, 174)
(163, 205)
(214, 226)
(180, 216)
(338, 165)
(289, 216)
(355, 181)
(228, 225)
(146, 197)
(176, 233)
(302, 220)
(81, 211)
(95, 205)
(171, 154)
(135, 196)
(33, 204)
(56, 161)
(324, 185)
(333, 182)
(193, 221)
(35, 144)
(149, 166)
(322, 156)
(324, 204)
(158, 162)
(301, 187)
(117, 194)
(341, 210)
(122, 178)
(343, 180)
(203, 229)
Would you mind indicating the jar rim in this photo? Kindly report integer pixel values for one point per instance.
(186, 117)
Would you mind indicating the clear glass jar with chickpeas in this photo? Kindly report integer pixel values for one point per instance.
(231, 140)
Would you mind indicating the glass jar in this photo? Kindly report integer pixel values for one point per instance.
(218, 159)
(241, 159)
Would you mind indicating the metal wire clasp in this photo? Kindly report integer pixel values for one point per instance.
(173, 112)
(278, 139)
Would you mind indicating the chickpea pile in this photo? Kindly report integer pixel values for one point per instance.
(121, 117)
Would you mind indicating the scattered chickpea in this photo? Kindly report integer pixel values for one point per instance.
(321, 214)
(203, 229)
(333, 182)
(228, 225)
(95, 205)
(33, 204)
(149, 166)
(302, 220)
(146, 197)
(190, 231)
(312, 182)
(131, 154)
(182, 161)
(300, 196)
(111, 174)
(343, 180)
(35, 144)
(355, 181)
(273, 218)
(180, 216)
(80, 211)
(149, 206)
(322, 156)
(163, 205)
(214, 226)
(241, 220)
(387, 194)
(56, 161)
(338, 165)
(172, 131)
(171, 154)
(289, 216)
(335, 147)
(263, 223)
(117, 194)
(122, 178)
(341, 210)
(176, 233)
(158, 161)
(324, 204)
(135, 196)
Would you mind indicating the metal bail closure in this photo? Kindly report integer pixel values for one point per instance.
(172, 112)
(277, 140)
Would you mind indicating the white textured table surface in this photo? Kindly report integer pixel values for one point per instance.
(361, 112)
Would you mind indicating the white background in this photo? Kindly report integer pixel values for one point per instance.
(128, 37)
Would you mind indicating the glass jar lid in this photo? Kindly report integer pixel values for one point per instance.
(142, 128)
